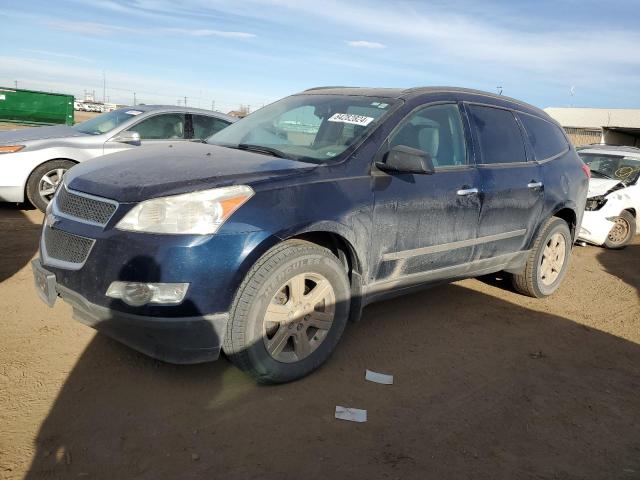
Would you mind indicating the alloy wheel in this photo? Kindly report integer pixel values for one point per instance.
(49, 183)
(299, 317)
(552, 260)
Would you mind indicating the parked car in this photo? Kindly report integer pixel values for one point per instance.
(612, 212)
(34, 160)
(265, 241)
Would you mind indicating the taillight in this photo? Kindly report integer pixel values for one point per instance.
(586, 170)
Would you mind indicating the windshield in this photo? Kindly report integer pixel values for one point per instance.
(107, 121)
(616, 167)
(312, 128)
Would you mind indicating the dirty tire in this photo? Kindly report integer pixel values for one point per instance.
(245, 342)
(617, 242)
(528, 282)
(33, 183)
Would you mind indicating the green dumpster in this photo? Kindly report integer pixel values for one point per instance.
(30, 106)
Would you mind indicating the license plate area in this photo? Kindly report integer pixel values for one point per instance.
(45, 283)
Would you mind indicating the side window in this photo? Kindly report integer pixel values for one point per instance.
(498, 134)
(161, 127)
(436, 130)
(204, 126)
(546, 138)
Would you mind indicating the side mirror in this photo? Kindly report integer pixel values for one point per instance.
(405, 159)
(132, 138)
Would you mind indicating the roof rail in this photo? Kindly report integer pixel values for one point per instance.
(325, 88)
(610, 145)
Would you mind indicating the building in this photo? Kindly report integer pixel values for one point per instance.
(612, 126)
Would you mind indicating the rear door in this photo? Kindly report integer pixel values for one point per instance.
(512, 186)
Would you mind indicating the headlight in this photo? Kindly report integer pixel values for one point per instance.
(198, 213)
(10, 148)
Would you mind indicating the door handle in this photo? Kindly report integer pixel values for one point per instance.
(534, 184)
(467, 191)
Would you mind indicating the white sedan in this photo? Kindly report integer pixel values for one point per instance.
(611, 216)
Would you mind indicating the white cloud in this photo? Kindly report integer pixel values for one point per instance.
(89, 28)
(47, 53)
(364, 44)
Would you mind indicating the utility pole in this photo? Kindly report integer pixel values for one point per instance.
(134, 99)
(15, 82)
(213, 105)
(185, 101)
(104, 86)
(499, 90)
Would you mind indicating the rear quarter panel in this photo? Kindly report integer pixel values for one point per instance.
(565, 186)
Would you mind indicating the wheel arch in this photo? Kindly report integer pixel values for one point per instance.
(26, 180)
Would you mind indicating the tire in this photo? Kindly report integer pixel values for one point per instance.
(537, 280)
(622, 232)
(52, 170)
(279, 287)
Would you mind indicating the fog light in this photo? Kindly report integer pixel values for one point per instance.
(137, 294)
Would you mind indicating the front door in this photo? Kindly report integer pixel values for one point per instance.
(425, 225)
(160, 129)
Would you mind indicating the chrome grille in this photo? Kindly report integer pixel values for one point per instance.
(66, 247)
(83, 207)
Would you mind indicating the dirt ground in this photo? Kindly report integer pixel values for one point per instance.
(488, 385)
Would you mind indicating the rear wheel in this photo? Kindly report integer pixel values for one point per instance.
(622, 232)
(289, 313)
(547, 262)
(44, 180)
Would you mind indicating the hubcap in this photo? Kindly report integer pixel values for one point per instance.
(299, 317)
(552, 259)
(49, 182)
(620, 230)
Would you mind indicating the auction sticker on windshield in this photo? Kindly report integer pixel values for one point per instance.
(352, 119)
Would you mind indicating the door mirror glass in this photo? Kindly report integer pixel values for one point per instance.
(405, 159)
(132, 138)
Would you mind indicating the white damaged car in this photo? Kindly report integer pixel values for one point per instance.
(611, 216)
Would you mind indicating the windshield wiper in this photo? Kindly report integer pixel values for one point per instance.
(262, 149)
(602, 174)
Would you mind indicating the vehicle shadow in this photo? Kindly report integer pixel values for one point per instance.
(624, 264)
(19, 237)
(483, 389)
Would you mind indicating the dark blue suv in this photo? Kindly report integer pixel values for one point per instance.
(265, 240)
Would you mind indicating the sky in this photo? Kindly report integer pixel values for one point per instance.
(581, 53)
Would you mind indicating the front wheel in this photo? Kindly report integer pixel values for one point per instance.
(622, 232)
(44, 180)
(547, 262)
(289, 312)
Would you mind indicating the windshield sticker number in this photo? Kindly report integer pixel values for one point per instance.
(133, 112)
(351, 119)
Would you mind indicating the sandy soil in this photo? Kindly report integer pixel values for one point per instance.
(489, 385)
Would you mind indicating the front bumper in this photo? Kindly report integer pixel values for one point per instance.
(181, 340)
(595, 227)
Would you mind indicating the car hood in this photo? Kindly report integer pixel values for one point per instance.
(38, 133)
(601, 186)
(148, 172)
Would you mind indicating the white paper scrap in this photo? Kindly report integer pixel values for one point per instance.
(378, 377)
(352, 119)
(133, 112)
(351, 414)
